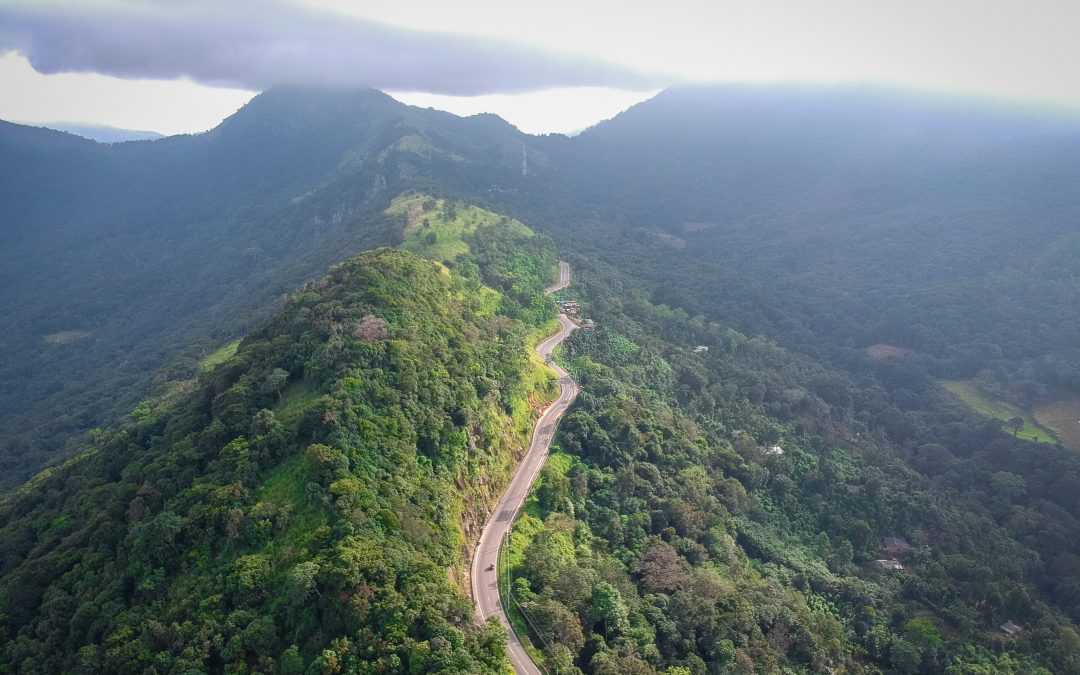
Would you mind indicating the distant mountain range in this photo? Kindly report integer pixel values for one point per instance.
(102, 133)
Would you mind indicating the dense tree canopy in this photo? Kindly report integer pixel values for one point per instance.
(726, 510)
(304, 508)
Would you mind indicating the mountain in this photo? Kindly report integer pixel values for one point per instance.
(311, 499)
(840, 218)
(826, 420)
(102, 133)
(114, 259)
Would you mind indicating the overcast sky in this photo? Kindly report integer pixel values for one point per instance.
(560, 65)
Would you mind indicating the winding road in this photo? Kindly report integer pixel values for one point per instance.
(484, 580)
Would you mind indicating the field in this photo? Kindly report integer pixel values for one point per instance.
(977, 400)
(885, 352)
(219, 356)
(1063, 418)
(436, 228)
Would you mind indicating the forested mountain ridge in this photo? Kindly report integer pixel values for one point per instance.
(114, 259)
(308, 504)
(837, 219)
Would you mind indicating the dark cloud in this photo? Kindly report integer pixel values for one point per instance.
(256, 45)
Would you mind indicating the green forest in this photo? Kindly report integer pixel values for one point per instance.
(727, 511)
(305, 508)
(264, 385)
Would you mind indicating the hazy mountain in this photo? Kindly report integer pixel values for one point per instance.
(102, 133)
(844, 217)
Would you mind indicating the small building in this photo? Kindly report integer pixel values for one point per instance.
(774, 451)
(570, 307)
(892, 565)
(701, 349)
(1011, 629)
(588, 324)
(895, 546)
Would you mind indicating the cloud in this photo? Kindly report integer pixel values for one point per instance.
(258, 45)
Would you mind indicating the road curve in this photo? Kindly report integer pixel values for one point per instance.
(484, 581)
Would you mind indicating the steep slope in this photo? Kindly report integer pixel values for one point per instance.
(307, 504)
(114, 259)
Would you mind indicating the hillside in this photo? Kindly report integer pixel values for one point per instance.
(729, 510)
(118, 260)
(310, 501)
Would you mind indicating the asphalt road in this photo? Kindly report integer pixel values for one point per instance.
(484, 581)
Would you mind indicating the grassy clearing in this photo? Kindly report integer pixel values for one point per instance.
(436, 228)
(977, 400)
(1063, 418)
(66, 337)
(219, 356)
(286, 485)
(295, 400)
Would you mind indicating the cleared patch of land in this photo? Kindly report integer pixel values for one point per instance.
(436, 228)
(698, 226)
(668, 239)
(1063, 418)
(980, 402)
(66, 337)
(885, 352)
(219, 356)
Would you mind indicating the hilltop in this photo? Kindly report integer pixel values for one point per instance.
(311, 499)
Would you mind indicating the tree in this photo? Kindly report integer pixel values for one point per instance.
(905, 656)
(555, 624)
(291, 662)
(1008, 486)
(301, 581)
(609, 610)
(1016, 424)
(554, 491)
(550, 551)
(573, 587)
(661, 568)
